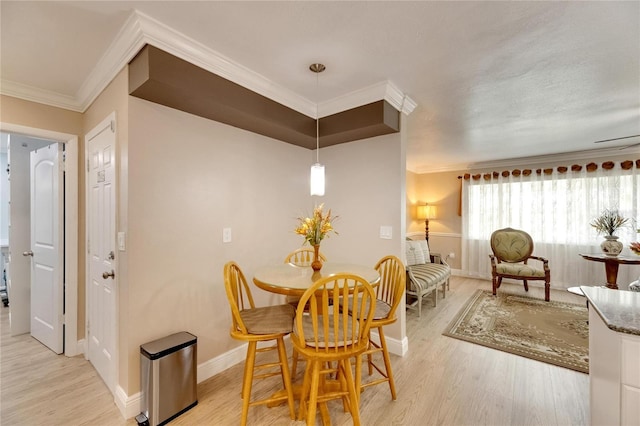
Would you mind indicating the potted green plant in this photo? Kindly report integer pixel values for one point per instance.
(608, 223)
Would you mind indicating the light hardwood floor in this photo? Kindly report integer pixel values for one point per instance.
(441, 381)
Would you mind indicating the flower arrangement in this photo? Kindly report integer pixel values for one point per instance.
(315, 228)
(609, 222)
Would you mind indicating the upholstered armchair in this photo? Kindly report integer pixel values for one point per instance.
(512, 250)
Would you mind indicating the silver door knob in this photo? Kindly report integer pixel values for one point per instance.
(111, 274)
(27, 253)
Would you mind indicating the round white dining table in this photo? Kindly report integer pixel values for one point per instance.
(291, 280)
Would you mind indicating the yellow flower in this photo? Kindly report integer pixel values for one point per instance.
(315, 228)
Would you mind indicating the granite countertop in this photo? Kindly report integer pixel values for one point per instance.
(619, 309)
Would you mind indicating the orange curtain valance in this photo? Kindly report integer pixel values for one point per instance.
(607, 165)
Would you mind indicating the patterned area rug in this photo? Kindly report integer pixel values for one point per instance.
(552, 332)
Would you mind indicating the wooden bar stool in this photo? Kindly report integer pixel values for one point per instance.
(327, 334)
(301, 257)
(388, 295)
(255, 325)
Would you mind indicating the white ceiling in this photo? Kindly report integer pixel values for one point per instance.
(491, 80)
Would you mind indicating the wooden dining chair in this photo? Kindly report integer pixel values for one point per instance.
(253, 325)
(389, 293)
(328, 338)
(301, 257)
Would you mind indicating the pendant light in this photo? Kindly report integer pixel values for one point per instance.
(317, 170)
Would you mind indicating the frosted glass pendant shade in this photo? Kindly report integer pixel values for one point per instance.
(317, 179)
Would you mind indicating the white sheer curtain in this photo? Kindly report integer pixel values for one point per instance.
(556, 210)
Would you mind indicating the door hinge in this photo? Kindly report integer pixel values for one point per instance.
(112, 125)
(62, 319)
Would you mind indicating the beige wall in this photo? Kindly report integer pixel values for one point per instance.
(441, 190)
(365, 187)
(182, 178)
(31, 114)
(189, 177)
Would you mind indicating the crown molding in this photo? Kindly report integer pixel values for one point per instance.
(141, 29)
(592, 154)
(398, 99)
(42, 96)
(385, 90)
(171, 41)
(129, 40)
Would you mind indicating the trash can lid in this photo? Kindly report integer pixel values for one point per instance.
(166, 345)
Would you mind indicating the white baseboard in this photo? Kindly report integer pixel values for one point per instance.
(81, 348)
(216, 365)
(458, 273)
(395, 346)
(129, 406)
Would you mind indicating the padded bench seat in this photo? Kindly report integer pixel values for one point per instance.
(424, 279)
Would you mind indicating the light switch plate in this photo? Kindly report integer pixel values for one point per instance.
(226, 235)
(386, 232)
(121, 241)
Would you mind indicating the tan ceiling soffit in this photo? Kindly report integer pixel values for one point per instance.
(160, 77)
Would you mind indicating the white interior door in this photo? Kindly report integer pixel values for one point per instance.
(101, 292)
(47, 282)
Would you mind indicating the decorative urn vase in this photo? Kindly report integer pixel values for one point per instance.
(317, 263)
(611, 246)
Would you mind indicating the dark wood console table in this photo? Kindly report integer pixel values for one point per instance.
(611, 264)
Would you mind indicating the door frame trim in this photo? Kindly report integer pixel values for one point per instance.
(72, 346)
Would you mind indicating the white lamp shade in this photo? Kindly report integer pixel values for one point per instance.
(317, 179)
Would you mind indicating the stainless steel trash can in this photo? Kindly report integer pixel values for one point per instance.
(168, 378)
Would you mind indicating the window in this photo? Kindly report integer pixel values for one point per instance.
(556, 210)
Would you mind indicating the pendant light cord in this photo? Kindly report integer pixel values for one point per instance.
(317, 68)
(317, 121)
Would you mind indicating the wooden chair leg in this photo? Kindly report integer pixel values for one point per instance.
(286, 377)
(387, 363)
(247, 381)
(353, 388)
(313, 392)
(294, 364)
(547, 288)
(370, 355)
(304, 394)
(526, 285)
(341, 378)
